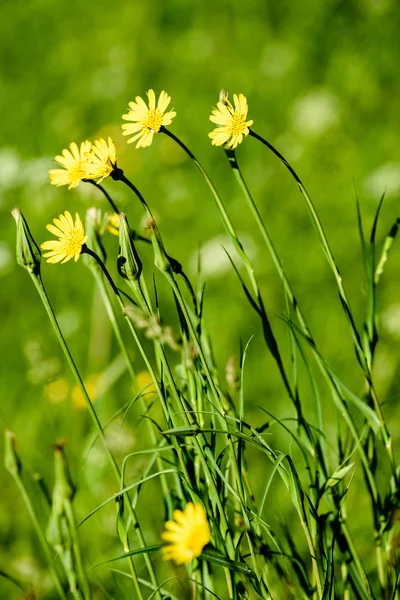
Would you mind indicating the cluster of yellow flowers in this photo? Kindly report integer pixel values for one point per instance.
(96, 161)
(189, 532)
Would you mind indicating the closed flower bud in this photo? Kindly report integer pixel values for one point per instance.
(121, 527)
(129, 264)
(11, 458)
(28, 253)
(64, 489)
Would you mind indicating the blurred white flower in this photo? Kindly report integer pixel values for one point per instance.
(10, 164)
(390, 320)
(276, 60)
(384, 179)
(213, 255)
(315, 113)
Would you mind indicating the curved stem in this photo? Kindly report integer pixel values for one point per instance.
(46, 302)
(259, 305)
(106, 194)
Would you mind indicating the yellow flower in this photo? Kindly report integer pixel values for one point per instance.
(187, 534)
(102, 159)
(147, 120)
(113, 223)
(92, 388)
(75, 166)
(57, 390)
(71, 239)
(146, 384)
(232, 122)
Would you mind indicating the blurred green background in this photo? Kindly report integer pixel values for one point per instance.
(322, 83)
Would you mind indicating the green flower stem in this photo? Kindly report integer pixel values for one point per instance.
(146, 303)
(211, 382)
(363, 359)
(224, 526)
(139, 345)
(43, 295)
(231, 155)
(118, 334)
(42, 538)
(70, 515)
(115, 325)
(106, 194)
(289, 291)
(359, 350)
(245, 259)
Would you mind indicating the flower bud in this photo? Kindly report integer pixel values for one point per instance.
(129, 264)
(28, 253)
(64, 489)
(11, 459)
(121, 527)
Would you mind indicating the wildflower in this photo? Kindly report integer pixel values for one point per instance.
(128, 263)
(145, 383)
(28, 253)
(75, 166)
(57, 390)
(231, 120)
(93, 388)
(71, 239)
(113, 224)
(187, 534)
(102, 159)
(147, 120)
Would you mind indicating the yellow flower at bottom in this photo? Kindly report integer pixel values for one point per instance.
(71, 239)
(231, 120)
(187, 534)
(147, 120)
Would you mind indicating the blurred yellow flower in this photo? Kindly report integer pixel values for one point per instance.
(75, 165)
(57, 390)
(145, 380)
(231, 120)
(187, 534)
(102, 159)
(91, 385)
(71, 239)
(113, 224)
(147, 120)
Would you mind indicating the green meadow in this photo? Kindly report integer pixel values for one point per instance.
(289, 439)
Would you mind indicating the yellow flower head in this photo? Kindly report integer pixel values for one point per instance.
(75, 165)
(113, 223)
(187, 534)
(231, 121)
(147, 120)
(102, 159)
(71, 239)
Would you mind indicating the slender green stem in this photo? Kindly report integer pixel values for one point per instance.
(231, 155)
(43, 295)
(363, 359)
(106, 194)
(225, 532)
(268, 335)
(70, 515)
(118, 334)
(42, 538)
